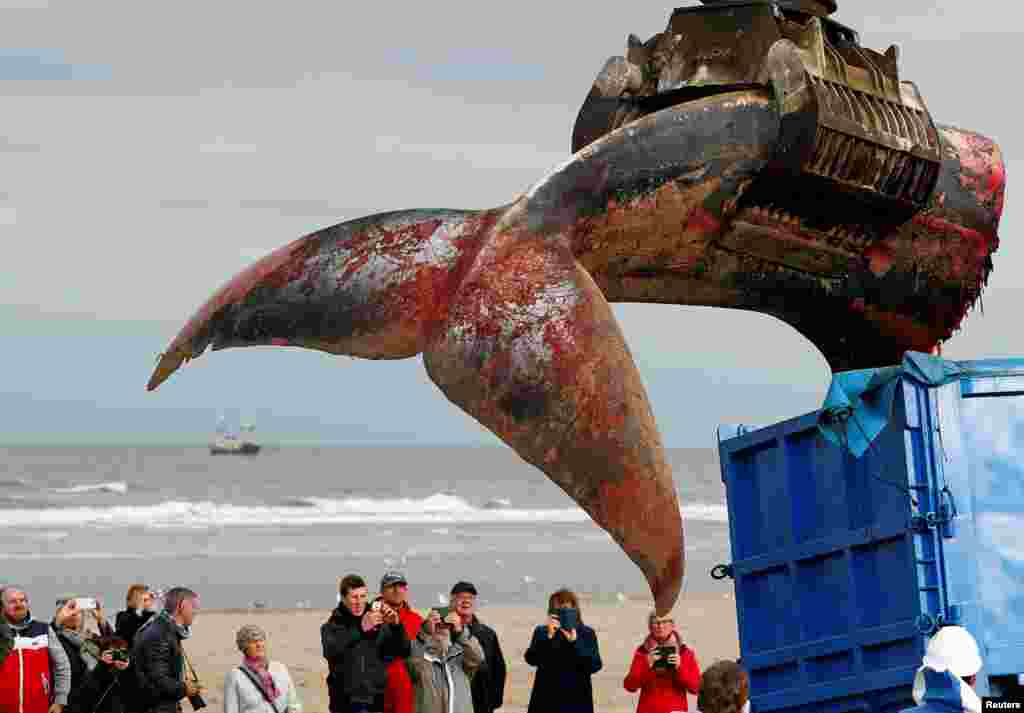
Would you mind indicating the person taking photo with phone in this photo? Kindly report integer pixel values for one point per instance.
(359, 642)
(443, 660)
(488, 682)
(565, 653)
(664, 669)
(80, 647)
(394, 595)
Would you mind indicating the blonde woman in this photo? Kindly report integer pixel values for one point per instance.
(138, 610)
(258, 685)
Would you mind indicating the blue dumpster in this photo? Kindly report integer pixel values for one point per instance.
(859, 529)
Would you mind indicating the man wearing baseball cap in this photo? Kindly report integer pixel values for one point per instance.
(394, 590)
(488, 684)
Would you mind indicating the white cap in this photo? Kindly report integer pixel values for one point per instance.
(953, 649)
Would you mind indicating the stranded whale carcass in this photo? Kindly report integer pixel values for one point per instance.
(752, 156)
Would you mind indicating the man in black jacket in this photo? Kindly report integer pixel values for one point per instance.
(489, 681)
(158, 656)
(359, 643)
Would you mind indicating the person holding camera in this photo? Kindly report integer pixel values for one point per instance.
(444, 657)
(81, 649)
(359, 642)
(394, 591)
(102, 690)
(258, 685)
(160, 660)
(664, 669)
(35, 675)
(566, 655)
(489, 680)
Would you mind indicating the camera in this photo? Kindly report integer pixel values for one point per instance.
(663, 652)
(196, 702)
(443, 613)
(376, 605)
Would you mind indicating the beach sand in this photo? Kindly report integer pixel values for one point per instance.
(706, 622)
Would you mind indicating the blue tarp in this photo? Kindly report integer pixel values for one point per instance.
(859, 403)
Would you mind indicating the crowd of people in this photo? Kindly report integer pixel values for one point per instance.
(382, 657)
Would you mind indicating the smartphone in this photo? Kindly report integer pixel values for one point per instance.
(86, 602)
(568, 618)
(376, 605)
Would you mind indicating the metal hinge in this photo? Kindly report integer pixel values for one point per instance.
(928, 624)
(944, 519)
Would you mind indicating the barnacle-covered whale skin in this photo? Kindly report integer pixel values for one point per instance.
(753, 156)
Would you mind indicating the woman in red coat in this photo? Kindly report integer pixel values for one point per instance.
(664, 669)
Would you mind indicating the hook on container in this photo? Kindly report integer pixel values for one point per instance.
(722, 571)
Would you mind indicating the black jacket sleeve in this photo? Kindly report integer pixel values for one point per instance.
(162, 676)
(336, 639)
(496, 664)
(587, 651)
(540, 647)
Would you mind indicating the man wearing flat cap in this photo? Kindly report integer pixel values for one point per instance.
(394, 591)
(488, 684)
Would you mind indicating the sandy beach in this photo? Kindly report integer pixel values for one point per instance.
(706, 622)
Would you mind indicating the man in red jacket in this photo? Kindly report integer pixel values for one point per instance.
(664, 669)
(398, 696)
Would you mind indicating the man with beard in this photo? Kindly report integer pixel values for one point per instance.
(359, 642)
(444, 658)
(35, 675)
(489, 681)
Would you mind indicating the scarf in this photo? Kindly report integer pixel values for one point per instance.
(261, 668)
(87, 649)
(183, 631)
(650, 643)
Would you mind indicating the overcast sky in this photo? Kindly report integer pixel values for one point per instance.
(148, 151)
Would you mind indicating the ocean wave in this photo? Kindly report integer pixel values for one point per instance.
(438, 509)
(47, 535)
(119, 487)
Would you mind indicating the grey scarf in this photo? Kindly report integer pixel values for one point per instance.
(86, 649)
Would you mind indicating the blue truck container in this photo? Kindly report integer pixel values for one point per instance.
(844, 566)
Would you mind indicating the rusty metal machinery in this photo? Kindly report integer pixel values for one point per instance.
(848, 120)
(753, 156)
